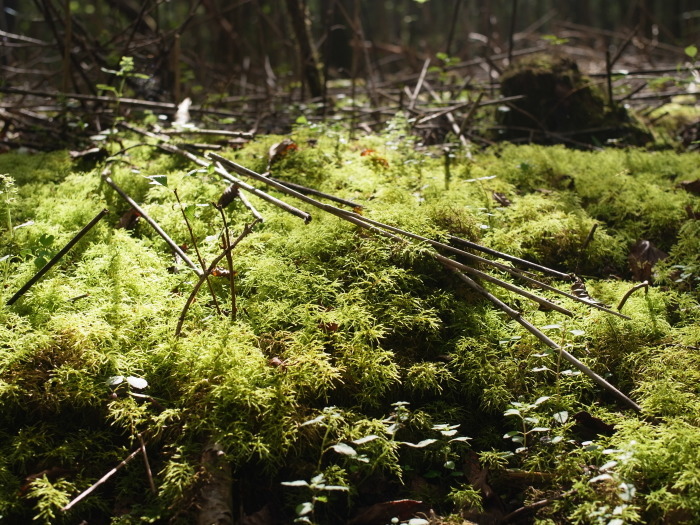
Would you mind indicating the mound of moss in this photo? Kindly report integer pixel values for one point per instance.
(356, 371)
(561, 105)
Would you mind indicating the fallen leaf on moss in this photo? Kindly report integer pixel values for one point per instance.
(691, 186)
(642, 258)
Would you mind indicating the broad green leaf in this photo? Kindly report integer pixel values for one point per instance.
(552, 327)
(344, 449)
(137, 382)
(541, 400)
(304, 508)
(600, 478)
(158, 180)
(335, 488)
(115, 380)
(420, 444)
(313, 421)
(608, 465)
(296, 483)
(366, 439)
(561, 417)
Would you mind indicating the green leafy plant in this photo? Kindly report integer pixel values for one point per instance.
(126, 70)
(8, 199)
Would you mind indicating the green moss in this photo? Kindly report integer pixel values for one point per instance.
(338, 322)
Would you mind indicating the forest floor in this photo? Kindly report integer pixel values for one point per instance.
(403, 324)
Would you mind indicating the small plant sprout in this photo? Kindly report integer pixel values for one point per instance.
(8, 193)
(529, 423)
(117, 383)
(317, 488)
(126, 70)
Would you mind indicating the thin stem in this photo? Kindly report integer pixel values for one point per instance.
(147, 465)
(100, 481)
(515, 315)
(629, 292)
(173, 245)
(248, 228)
(229, 259)
(199, 255)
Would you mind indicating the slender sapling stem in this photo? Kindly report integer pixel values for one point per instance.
(248, 228)
(199, 255)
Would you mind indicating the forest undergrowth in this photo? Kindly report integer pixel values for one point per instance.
(335, 375)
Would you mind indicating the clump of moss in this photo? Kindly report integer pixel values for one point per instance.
(351, 355)
(561, 105)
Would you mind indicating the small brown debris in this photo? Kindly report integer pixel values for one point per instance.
(642, 258)
(691, 186)
(501, 199)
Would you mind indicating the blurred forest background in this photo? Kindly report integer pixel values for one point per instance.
(256, 47)
(262, 63)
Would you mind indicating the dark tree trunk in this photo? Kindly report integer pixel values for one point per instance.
(309, 60)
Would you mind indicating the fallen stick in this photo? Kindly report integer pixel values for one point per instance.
(380, 227)
(57, 257)
(644, 284)
(310, 191)
(515, 315)
(215, 132)
(149, 473)
(419, 85)
(242, 170)
(100, 481)
(234, 180)
(510, 258)
(173, 245)
(455, 266)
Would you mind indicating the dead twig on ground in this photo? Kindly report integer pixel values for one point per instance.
(173, 245)
(629, 292)
(57, 257)
(459, 268)
(104, 478)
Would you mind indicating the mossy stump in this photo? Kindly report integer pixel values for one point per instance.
(561, 105)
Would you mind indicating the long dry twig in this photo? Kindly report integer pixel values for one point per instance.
(100, 481)
(196, 250)
(173, 245)
(243, 185)
(57, 257)
(352, 216)
(517, 316)
(458, 268)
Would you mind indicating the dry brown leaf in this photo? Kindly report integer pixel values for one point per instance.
(642, 258)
